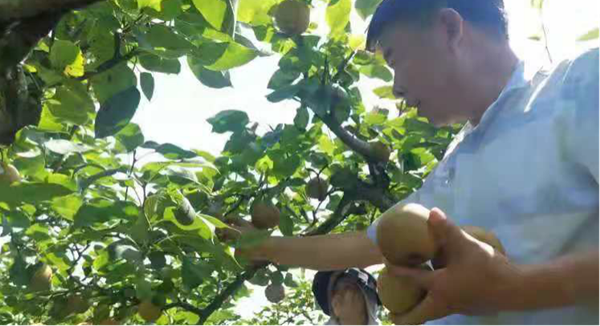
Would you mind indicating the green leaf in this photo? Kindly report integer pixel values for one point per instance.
(537, 4)
(338, 16)
(377, 71)
(235, 55)
(591, 35)
(282, 78)
(198, 223)
(174, 152)
(277, 278)
(140, 230)
(385, 92)
(159, 64)
(366, 8)
(171, 9)
(286, 225)
(116, 113)
(31, 193)
(284, 93)
(147, 83)
(130, 137)
(63, 180)
(102, 45)
(289, 281)
(209, 52)
(113, 81)
(33, 167)
(99, 211)
(143, 289)
(18, 272)
(161, 36)
(119, 250)
(374, 119)
(67, 206)
(210, 78)
(154, 4)
(255, 12)
(48, 122)
(301, 119)
(193, 272)
(326, 145)
(229, 120)
(63, 53)
(213, 11)
(72, 104)
(63, 146)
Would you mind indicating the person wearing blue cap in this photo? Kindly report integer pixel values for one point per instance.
(348, 296)
(525, 167)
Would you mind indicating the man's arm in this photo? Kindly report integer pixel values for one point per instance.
(569, 280)
(476, 279)
(323, 252)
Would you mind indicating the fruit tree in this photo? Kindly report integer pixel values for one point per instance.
(101, 225)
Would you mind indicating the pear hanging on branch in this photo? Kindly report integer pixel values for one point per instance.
(292, 17)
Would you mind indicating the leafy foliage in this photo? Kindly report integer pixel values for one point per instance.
(122, 220)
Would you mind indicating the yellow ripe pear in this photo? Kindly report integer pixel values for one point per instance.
(485, 236)
(292, 17)
(148, 311)
(403, 235)
(264, 215)
(41, 279)
(77, 304)
(108, 321)
(317, 188)
(275, 293)
(9, 174)
(381, 151)
(399, 294)
(479, 234)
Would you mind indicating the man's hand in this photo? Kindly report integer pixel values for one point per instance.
(237, 227)
(473, 280)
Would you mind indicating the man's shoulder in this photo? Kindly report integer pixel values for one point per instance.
(572, 81)
(579, 68)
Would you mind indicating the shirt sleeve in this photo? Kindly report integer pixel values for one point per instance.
(580, 94)
(372, 230)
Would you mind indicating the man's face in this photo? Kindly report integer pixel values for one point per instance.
(348, 304)
(425, 71)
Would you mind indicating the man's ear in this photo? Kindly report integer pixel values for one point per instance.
(452, 24)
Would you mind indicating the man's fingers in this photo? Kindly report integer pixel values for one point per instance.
(421, 276)
(444, 231)
(425, 311)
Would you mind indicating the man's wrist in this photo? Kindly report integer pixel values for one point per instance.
(541, 286)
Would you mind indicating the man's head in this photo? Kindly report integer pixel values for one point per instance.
(437, 49)
(348, 302)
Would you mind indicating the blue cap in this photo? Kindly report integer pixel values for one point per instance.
(321, 285)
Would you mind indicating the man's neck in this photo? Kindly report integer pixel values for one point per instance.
(353, 320)
(492, 70)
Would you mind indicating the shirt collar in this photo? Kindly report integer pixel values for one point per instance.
(522, 77)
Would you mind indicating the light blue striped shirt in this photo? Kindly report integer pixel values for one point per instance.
(529, 173)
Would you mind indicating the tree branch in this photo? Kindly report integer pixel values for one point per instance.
(12, 10)
(358, 145)
(379, 197)
(184, 305)
(109, 64)
(226, 293)
(17, 39)
(336, 218)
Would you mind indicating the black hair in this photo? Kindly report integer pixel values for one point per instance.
(487, 14)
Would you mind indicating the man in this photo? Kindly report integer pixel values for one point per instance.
(525, 167)
(348, 296)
